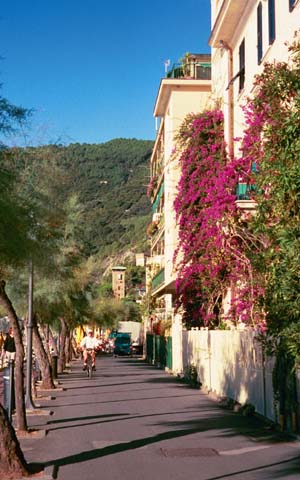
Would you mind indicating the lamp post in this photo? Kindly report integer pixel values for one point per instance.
(28, 398)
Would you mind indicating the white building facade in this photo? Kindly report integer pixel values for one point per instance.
(185, 90)
(245, 35)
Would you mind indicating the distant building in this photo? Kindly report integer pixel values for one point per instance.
(118, 281)
(186, 89)
(140, 259)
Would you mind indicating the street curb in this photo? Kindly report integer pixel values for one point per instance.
(36, 434)
(38, 477)
(39, 412)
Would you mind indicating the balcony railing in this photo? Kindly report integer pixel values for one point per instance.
(157, 235)
(244, 190)
(158, 279)
(158, 196)
(191, 70)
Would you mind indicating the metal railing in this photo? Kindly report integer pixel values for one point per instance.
(244, 191)
(158, 279)
(194, 70)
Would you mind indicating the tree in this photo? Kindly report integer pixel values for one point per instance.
(12, 462)
(272, 139)
(108, 312)
(14, 243)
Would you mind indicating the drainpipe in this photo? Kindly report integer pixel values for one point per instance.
(229, 97)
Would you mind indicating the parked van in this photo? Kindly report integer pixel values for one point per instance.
(122, 344)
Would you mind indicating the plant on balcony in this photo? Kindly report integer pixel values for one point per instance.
(152, 229)
(185, 63)
(152, 186)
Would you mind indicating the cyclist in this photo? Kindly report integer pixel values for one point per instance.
(89, 342)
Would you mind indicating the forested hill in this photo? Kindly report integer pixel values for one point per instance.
(111, 182)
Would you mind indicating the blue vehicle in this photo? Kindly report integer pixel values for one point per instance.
(122, 344)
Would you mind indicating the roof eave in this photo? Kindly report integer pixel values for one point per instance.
(226, 22)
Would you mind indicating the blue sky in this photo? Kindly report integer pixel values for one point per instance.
(91, 69)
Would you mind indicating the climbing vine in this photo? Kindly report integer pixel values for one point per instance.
(212, 232)
(255, 258)
(221, 250)
(273, 118)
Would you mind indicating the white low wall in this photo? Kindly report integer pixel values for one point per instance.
(229, 363)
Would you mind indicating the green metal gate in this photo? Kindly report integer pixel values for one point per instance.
(169, 353)
(149, 347)
(159, 350)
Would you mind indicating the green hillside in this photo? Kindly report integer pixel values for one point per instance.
(110, 180)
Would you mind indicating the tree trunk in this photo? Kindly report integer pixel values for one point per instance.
(19, 362)
(45, 332)
(12, 461)
(44, 364)
(62, 353)
(74, 348)
(52, 342)
(68, 346)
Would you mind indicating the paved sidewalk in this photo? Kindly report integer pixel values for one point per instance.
(132, 421)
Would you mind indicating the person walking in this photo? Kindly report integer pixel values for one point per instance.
(7, 358)
(9, 347)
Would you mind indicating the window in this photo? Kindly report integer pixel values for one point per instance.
(259, 33)
(272, 30)
(242, 65)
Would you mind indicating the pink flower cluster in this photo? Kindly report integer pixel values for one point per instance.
(213, 256)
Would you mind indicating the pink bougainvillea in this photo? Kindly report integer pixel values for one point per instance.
(212, 232)
(221, 250)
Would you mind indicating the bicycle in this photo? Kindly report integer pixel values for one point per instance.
(89, 362)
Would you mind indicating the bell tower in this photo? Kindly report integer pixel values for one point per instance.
(118, 281)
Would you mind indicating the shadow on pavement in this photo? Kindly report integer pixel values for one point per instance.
(100, 386)
(280, 474)
(220, 423)
(92, 417)
(165, 380)
(122, 447)
(126, 416)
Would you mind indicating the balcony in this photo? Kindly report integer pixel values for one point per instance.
(158, 280)
(242, 191)
(191, 70)
(158, 233)
(158, 194)
(244, 194)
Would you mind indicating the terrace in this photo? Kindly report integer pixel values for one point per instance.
(192, 67)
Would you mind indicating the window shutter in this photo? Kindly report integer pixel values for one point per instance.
(259, 33)
(242, 65)
(272, 22)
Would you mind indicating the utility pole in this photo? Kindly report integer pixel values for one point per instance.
(28, 398)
